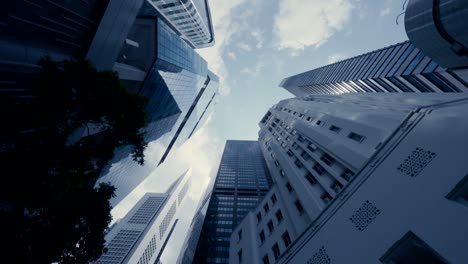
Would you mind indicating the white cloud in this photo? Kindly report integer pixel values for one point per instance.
(258, 36)
(303, 23)
(232, 55)
(244, 46)
(385, 12)
(224, 27)
(335, 58)
(255, 71)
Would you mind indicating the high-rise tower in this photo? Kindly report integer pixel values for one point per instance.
(321, 150)
(401, 68)
(240, 183)
(140, 237)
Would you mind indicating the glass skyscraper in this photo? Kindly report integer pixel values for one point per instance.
(242, 180)
(401, 68)
(157, 63)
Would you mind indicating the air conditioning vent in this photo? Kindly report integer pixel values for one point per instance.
(320, 257)
(416, 162)
(364, 215)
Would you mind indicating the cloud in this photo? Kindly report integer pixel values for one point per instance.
(224, 27)
(255, 71)
(232, 55)
(385, 12)
(303, 23)
(244, 46)
(335, 58)
(258, 36)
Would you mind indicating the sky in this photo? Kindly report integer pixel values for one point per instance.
(258, 43)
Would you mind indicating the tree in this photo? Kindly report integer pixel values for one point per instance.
(53, 149)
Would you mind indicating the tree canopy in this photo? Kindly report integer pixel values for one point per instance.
(53, 146)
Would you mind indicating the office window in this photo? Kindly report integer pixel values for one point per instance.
(356, 137)
(299, 206)
(266, 260)
(273, 199)
(411, 249)
(286, 239)
(271, 227)
(335, 129)
(259, 217)
(459, 194)
(276, 251)
(276, 163)
(327, 159)
(310, 178)
(312, 147)
(266, 207)
(319, 169)
(282, 173)
(279, 216)
(239, 255)
(262, 236)
(289, 187)
(239, 234)
(320, 123)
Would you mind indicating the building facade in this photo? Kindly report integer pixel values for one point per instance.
(408, 204)
(401, 68)
(140, 237)
(157, 63)
(241, 182)
(314, 149)
(191, 19)
(438, 28)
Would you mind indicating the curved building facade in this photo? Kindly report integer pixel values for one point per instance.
(190, 18)
(439, 29)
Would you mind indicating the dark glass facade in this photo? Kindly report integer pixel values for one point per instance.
(242, 180)
(179, 87)
(400, 68)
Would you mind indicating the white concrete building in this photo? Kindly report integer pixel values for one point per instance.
(140, 237)
(321, 150)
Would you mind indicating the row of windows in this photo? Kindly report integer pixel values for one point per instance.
(275, 249)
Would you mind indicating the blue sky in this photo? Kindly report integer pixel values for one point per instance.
(258, 43)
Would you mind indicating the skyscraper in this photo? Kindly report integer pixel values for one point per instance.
(401, 68)
(157, 63)
(372, 154)
(438, 28)
(140, 237)
(241, 181)
(192, 19)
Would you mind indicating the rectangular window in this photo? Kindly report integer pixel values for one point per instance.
(266, 260)
(259, 217)
(356, 137)
(282, 173)
(319, 169)
(459, 194)
(411, 249)
(319, 123)
(310, 178)
(271, 227)
(276, 163)
(273, 199)
(276, 251)
(262, 236)
(239, 234)
(239, 255)
(286, 239)
(335, 129)
(312, 147)
(279, 216)
(299, 206)
(266, 207)
(289, 187)
(327, 159)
